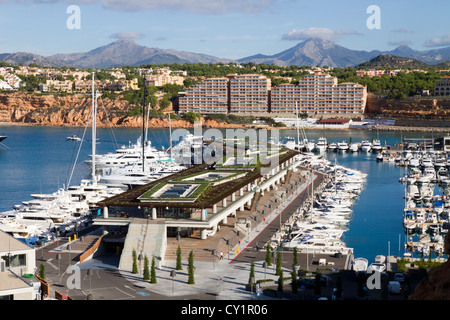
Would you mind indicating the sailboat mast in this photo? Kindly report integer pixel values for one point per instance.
(298, 134)
(94, 128)
(170, 137)
(143, 129)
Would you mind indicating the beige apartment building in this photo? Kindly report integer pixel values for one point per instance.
(319, 93)
(249, 93)
(160, 80)
(208, 96)
(442, 87)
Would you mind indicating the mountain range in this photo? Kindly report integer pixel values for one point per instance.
(311, 52)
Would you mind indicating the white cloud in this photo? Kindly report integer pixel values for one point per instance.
(443, 41)
(401, 30)
(127, 35)
(320, 33)
(400, 43)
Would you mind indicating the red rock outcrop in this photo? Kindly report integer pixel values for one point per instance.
(74, 110)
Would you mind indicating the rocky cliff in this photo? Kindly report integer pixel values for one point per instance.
(411, 108)
(437, 286)
(75, 110)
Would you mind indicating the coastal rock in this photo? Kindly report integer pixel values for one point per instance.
(437, 286)
(74, 110)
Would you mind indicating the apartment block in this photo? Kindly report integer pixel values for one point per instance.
(249, 93)
(285, 98)
(55, 85)
(208, 96)
(319, 93)
(160, 80)
(442, 87)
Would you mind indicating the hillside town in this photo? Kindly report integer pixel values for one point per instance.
(250, 90)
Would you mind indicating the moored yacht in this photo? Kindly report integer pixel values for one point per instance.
(366, 145)
(376, 145)
(342, 146)
(321, 144)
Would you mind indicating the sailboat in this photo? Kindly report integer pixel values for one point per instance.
(142, 170)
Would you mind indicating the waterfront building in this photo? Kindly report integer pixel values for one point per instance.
(208, 96)
(16, 260)
(249, 93)
(284, 98)
(442, 87)
(194, 202)
(319, 93)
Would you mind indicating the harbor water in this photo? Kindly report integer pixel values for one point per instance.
(40, 160)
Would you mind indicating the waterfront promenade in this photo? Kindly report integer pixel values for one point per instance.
(222, 279)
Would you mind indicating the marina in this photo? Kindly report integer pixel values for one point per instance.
(355, 237)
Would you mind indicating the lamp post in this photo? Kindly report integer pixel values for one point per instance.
(140, 258)
(173, 274)
(69, 247)
(58, 257)
(90, 272)
(213, 253)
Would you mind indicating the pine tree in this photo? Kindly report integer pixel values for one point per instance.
(146, 269)
(280, 282)
(278, 269)
(294, 282)
(191, 268)
(252, 272)
(42, 271)
(295, 257)
(268, 255)
(153, 271)
(179, 265)
(134, 269)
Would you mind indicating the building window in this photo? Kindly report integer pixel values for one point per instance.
(15, 260)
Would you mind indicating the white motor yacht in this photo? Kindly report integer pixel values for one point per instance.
(354, 147)
(360, 264)
(321, 144)
(366, 146)
(342, 146)
(376, 145)
(332, 146)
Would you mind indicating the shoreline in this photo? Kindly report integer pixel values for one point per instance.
(249, 126)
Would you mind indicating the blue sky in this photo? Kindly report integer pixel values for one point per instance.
(224, 28)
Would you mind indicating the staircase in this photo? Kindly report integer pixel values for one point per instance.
(255, 201)
(148, 238)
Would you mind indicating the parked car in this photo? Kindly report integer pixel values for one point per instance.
(394, 287)
(399, 277)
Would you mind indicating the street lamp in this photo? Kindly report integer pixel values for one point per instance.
(173, 274)
(213, 253)
(58, 257)
(140, 258)
(90, 272)
(69, 247)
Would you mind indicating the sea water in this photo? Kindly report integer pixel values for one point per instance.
(41, 160)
